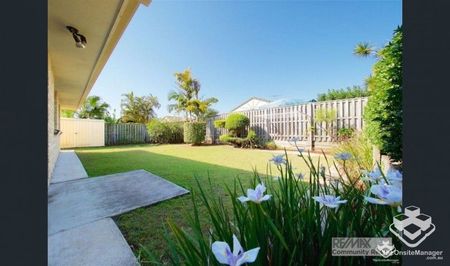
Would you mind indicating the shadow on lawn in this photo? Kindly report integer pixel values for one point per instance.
(178, 170)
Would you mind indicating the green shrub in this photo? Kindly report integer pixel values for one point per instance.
(252, 140)
(359, 146)
(236, 124)
(294, 225)
(235, 141)
(270, 145)
(225, 138)
(219, 123)
(345, 133)
(383, 114)
(165, 132)
(349, 92)
(194, 132)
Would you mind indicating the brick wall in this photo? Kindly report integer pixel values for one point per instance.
(53, 122)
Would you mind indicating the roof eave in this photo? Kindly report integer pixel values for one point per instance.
(123, 18)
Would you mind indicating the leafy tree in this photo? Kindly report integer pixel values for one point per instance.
(138, 109)
(383, 114)
(94, 108)
(187, 100)
(112, 119)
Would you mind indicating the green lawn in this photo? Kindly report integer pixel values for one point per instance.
(178, 164)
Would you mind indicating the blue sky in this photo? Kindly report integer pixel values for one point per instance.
(240, 49)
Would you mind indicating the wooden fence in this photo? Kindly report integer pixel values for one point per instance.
(281, 124)
(129, 133)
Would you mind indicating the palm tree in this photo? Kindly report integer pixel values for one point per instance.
(138, 109)
(188, 89)
(186, 97)
(93, 108)
(180, 99)
(200, 107)
(364, 49)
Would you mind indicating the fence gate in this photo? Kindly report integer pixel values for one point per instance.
(82, 132)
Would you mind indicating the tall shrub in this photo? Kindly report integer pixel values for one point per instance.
(236, 124)
(383, 114)
(165, 132)
(194, 132)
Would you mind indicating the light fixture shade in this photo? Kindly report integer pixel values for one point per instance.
(80, 40)
(80, 45)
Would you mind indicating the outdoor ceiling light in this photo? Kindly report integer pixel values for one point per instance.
(80, 40)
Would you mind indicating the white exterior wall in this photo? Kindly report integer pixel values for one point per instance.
(52, 109)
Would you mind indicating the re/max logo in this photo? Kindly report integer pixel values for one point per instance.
(351, 242)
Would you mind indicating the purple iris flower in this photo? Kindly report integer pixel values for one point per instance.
(375, 175)
(256, 195)
(223, 254)
(343, 156)
(387, 195)
(278, 159)
(330, 200)
(394, 175)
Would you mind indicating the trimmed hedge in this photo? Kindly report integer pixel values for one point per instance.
(236, 124)
(384, 114)
(165, 132)
(194, 132)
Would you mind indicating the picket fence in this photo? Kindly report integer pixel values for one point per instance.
(282, 124)
(129, 133)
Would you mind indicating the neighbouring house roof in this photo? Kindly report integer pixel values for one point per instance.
(257, 99)
(283, 102)
(102, 22)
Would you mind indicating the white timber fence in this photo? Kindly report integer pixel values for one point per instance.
(82, 132)
(282, 124)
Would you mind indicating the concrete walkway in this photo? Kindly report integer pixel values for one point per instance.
(80, 230)
(67, 167)
(78, 202)
(96, 243)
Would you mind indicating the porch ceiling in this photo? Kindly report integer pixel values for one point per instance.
(102, 22)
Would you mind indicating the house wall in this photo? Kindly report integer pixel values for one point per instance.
(53, 122)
